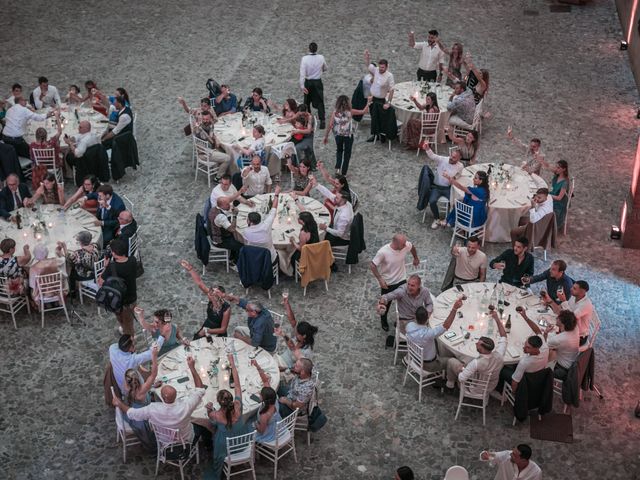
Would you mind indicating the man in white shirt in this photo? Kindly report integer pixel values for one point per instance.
(78, 144)
(441, 186)
(45, 95)
(382, 115)
(471, 262)
(226, 189)
(170, 413)
(565, 344)
(431, 57)
(541, 205)
(311, 68)
(221, 227)
(486, 366)
(514, 464)
(15, 127)
(388, 266)
(123, 356)
(256, 178)
(258, 233)
(579, 303)
(124, 123)
(339, 232)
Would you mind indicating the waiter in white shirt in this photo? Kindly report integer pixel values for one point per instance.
(311, 68)
(431, 57)
(15, 126)
(541, 205)
(45, 95)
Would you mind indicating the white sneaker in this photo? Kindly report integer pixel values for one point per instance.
(435, 225)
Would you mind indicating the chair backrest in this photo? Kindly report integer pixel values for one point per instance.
(594, 328)
(354, 199)
(119, 420)
(286, 425)
(477, 387)
(572, 188)
(50, 284)
(44, 156)
(420, 269)
(415, 354)
(166, 436)
(277, 317)
(282, 149)
(202, 146)
(464, 214)
(4, 287)
(241, 443)
(456, 473)
(429, 122)
(477, 116)
(98, 268)
(127, 202)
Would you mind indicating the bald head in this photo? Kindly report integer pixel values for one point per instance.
(84, 126)
(224, 203)
(125, 217)
(168, 394)
(399, 241)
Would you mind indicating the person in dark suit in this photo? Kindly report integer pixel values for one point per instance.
(109, 207)
(128, 225)
(14, 195)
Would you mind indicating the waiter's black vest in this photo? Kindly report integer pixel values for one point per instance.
(128, 128)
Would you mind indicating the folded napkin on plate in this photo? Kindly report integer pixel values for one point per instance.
(513, 351)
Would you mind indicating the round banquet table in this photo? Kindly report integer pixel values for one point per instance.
(173, 366)
(99, 122)
(285, 225)
(509, 200)
(406, 109)
(477, 323)
(61, 227)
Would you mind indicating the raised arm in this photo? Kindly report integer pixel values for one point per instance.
(236, 379)
(194, 275)
(148, 383)
(289, 311)
(197, 381)
(452, 314)
(532, 325)
(266, 382)
(139, 313)
(501, 330)
(412, 40)
(74, 198)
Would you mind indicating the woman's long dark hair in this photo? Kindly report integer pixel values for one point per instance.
(225, 399)
(308, 331)
(94, 182)
(565, 166)
(484, 182)
(310, 226)
(434, 100)
(269, 397)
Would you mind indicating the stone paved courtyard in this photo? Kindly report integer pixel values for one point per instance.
(558, 76)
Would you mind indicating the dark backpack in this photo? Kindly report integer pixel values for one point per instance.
(112, 292)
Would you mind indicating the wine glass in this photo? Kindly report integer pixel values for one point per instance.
(526, 280)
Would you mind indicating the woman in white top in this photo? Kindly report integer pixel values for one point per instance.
(341, 124)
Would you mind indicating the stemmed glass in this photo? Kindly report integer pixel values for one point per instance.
(526, 280)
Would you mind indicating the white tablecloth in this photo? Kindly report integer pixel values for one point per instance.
(477, 323)
(173, 366)
(230, 131)
(406, 109)
(98, 121)
(285, 225)
(61, 226)
(508, 201)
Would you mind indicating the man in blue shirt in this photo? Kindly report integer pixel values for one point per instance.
(556, 278)
(226, 102)
(259, 332)
(123, 356)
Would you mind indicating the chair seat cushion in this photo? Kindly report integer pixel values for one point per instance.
(24, 162)
(282, 440)
(90, 284)
(240, 457)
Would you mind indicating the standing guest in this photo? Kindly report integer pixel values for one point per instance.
(383, 118)
(301, 176)
(514, 464)
(297, 393)
(222, 227)
(50, 190)
(404, 473)
(12, 265)
(410, 296)
(388, 266)
(15, 125)
(124, 267)
(258, 232)
(109, 207)
(218, 311)
(123, 357)
(468, 146)
(339, 233)
(341, 125)
(256, 102)
(82, 260)
(476, 196)
(13, 196)
(579, 303)
(124, 122)
(565, 343)
(226, 189)
(45, 95)
(225, 103)
(78, 144)
(256, 178)
(461, 106)
(312, 66)
(162, 326)
(560, 191)
(301, 345)
(534, 158)
(514, 262)
(453, 70)
(413, 131)
(431, 57)
(90, 185)
(446, 169)
(471, 262)
(541, 205)
(556, 278)
(259, 332)
(308, 233)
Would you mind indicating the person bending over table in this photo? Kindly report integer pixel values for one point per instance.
(339, 232)
(259, 332)
(16, 120)
(222, 226)
(218, 311)
(162, 325)
(514, 262)
(513, 464)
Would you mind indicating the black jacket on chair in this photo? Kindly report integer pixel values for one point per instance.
(424, 186)
(202, 245)
(124, 153)
(255, 268)
(7, 202)
(356, 240)
(95, 161)
(127, 232)
(580, 375)
(9, 162)
(534, 391)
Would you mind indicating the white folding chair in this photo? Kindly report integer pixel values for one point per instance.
(400, 338)
(462, 227)
(284, 442)
(456, 473)
(340, 253)
(443, 204)
(12, 304)
(128, 203)
(217, 255)
(26, 165)
(125, 434)
(204, 163)
(282, 151)
(429, 130)
(302, 420)
(192, 124)
(170, 445)
(414, 369)
(509, 396)
(134, 243)
(50, 292)
(240, 451)
(475, 389)
(572, 188)
(89, 288)
(354, 200)
(298, 275)
(398, 126)
(47, 157)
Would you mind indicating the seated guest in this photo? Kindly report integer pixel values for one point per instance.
(534, 158)
(308, 234)
(123, 357)
(44, 266)
(73, 96)
(127, 225)
(556, 278)
(471, 262)
(565, 343)
(256, 102)
(218, 311)
(15, 125)
(109, 207)
(560, 191)
(256, 178)
(124, 122)
(226, 189)
(420, 333)
(258, 232)
(204, 131)
(339, 232)
(170, 413)
(288, 111)
(514, 464)
(301, 176)
(579, 303)
(301, 346)
(256, 147)
(302, 136)
(488, 364)
(78, 144)
(90, 185)
(297, 393)
(259, 332)
(205, 106)
(461, 106)
(14, 195)
(16, 91)
(162, 326)
(268, 415)
(51, 192)
(11, 265)
(95, 98)
(536, 355)
(82, 260)
(468, 146)
(413, 130)
(541, 205)
(222, 228)
(515, 263)
(447, 168)
(338, 184)
(225, 103)
(42, 142)
(125, 267)
(45, 95)
(476, 196)
(409, 296)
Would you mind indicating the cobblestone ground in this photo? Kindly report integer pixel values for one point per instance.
(558, 76)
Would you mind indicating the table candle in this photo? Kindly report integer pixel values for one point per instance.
(25, 234)
(288, 219)
(225, 377)
(38, 237)
(203, 373)
(50, 224)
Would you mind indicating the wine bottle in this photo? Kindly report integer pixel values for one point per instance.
(231, 382)
(18, 220)
(507, 326)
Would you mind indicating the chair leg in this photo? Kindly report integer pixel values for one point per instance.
(326, 285)
(157, 464)
(484, 415)
(42, 312)
(293, 445)
(13, 316)
(420, 390)
(304, 292)
(66, 314)
(406, 372)
(275, 466)
(181, 471)
(308, 437)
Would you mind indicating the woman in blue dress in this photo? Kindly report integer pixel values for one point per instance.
(560, 191)
(476, 196)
